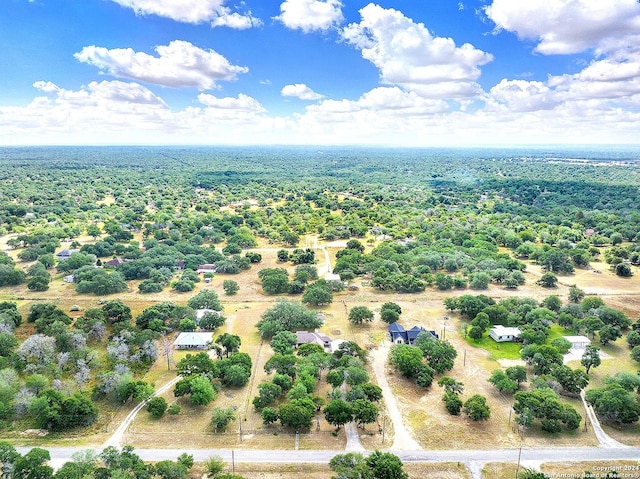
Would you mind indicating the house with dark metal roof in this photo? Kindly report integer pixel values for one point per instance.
(399, 335)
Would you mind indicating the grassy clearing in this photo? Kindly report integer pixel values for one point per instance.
(506, 350)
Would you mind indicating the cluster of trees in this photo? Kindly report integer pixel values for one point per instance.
(9, 274)
(509, 380)
(202, 377)
(109, 463)
(316, 293)
(410, 360)
(389, 313)
(617, 401)
(542, 404)
(287, 315)
(289, 396)
(377, 465)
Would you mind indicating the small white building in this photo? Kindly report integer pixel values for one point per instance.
(193, 340)
(578, 342)
(332, 277)
(503, 334)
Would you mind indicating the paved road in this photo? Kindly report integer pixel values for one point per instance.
(480, 456)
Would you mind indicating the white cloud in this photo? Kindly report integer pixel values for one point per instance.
(523, 96)
(192, 11)
(407, 54)
(235, 20)
(300, 90)
(242, 103)
(569, 26)
(179, 64)
(310, 15)
(602, 84)
(116, 112)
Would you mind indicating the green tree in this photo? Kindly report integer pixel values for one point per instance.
(230, 287)
(284, 342)
(623, 270)
(171, 470)
(572, 380)
(476, 408)
(385, 465)
(297, 414)
(269, 416)
(440, 355)
(117, 312)
(548, 280)
(221, 417)
(450, 384)
(591, 357)
(8, 342)
(406, 359)
(268, 393)
(157, 407)
(542, 357)
(205, 299)
(274, 280)
(317, 295)
(338, 413)
(287, 316)
(389, 316)
(576, 295)
(517, 373)
(210, 320)
(360, 314)
(214, 466)
(452, 403)
(364, 412)
(202, 392)
(33, 465)
(502, 382)
(480, 280)
(230, 343)
(609, 333)
(351, 465)
(553, 303)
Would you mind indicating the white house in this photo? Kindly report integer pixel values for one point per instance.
(193, 340)
(502, 334)
(578, 342)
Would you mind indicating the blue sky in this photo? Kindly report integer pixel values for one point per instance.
(392, 73)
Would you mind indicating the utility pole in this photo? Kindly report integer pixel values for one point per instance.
(519, 456)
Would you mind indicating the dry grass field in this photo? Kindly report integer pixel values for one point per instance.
(318, 471)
